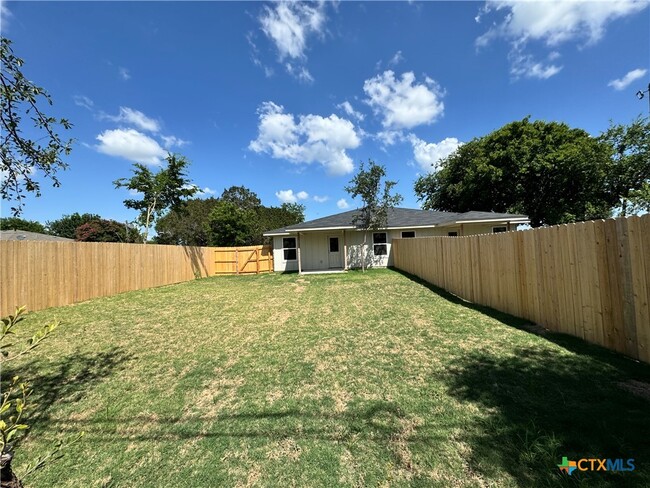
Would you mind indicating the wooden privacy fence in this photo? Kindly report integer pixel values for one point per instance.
(42, 274)
(590, 280)
(243, 260)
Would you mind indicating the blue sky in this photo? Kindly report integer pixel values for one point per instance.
(288, 98)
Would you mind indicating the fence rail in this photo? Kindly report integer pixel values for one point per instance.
(42, 274)
(590, 280)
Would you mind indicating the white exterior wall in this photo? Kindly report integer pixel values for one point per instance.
(314, 246)
(279, 264)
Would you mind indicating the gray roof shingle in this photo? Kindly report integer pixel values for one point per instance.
(397, 217)
(23, 235)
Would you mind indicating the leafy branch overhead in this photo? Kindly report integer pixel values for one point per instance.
(25, 160)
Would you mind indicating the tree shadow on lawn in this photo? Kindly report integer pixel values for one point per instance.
(544, 403)
(383, 424)
(66, 381)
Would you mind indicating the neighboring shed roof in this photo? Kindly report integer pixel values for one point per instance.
(398, 218)
(23, 235)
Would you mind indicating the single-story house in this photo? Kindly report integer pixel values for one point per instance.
(336, 243)
(23, 235)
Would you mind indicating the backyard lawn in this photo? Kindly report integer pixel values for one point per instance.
(357, 379)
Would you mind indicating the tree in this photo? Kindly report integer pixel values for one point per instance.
(160, 191)
(242, 197)
(276, 217)
(230, 225)
(186, 226)
(15, 401)
(67, 225)
(367, 184)
(548, 171)
(24, 158)
(629, 176)
(16, 223)
(105, 230)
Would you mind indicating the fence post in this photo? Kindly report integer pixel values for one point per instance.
(237, 261)
(257, 260)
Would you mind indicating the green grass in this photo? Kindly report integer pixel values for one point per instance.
(357, 379)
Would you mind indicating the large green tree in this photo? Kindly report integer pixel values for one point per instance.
(26, 159)
(546, 170)
(16, 223)
(377, 200)
(629, 176)
(231, 225)
(67, 225)
(186, 226)
(158, 192)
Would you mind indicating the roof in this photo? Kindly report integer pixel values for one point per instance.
(23, 235)
(400, 218)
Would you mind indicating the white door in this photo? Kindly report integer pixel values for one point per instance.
(334, 252)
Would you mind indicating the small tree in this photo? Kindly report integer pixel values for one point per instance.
(160, 191)
(367, 184)
(67, 225)
(15, 402)
(22, 157)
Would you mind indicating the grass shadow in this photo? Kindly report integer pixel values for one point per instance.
(576, 345)
(66, 380)
(541, 404)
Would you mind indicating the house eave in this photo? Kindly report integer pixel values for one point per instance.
(486, 221)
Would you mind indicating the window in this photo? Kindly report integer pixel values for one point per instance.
(289, 246)
(334, 244)
(379, 244)
(499, 229)
(452, 234)
(408, 234)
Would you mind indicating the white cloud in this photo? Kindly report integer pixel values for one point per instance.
(5, 15)
(389, 137)
(134, 117)
(124, 73)
(312, 139)
(429, 154)
(288, 196)
(321, 199)
(623, 83)
(524, 66)
(83, 101)
(396, 59)
(403, 103)
(349, 110)
(300, 73)
(290, 24)
(342, 204)
(551, 23)
(130, 144)
(171, 141)
(554, 22)
(200, 192)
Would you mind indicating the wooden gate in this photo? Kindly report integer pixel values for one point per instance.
(243, 260)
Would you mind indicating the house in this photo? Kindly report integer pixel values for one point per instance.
(336, 243)
(23, 235)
